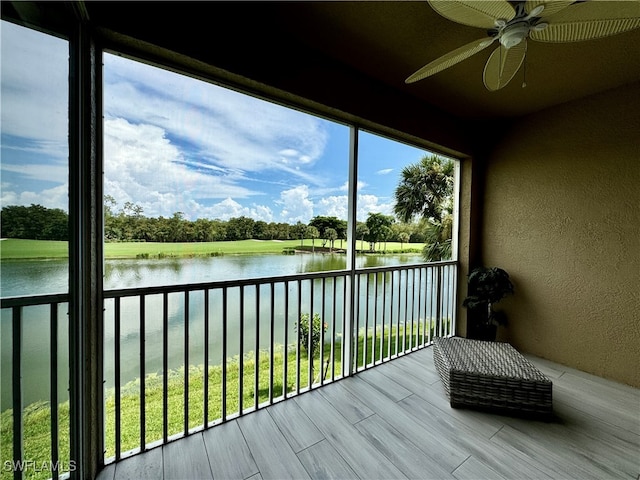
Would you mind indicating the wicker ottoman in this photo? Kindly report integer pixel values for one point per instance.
(491, 376)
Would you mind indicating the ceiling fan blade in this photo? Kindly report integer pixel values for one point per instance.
(450, 59)
(589, 20)
(550, 6)
(503, 64)
(473, 13)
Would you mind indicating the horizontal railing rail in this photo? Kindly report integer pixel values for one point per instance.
(182, 358)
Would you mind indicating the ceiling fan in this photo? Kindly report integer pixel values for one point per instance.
(511, 23)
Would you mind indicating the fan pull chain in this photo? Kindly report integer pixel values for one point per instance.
(524, 71)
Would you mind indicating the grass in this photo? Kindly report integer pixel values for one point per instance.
(17, 249)
(36, 424)
(11, 248)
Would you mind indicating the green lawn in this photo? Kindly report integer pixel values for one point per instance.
(11, 248)
(16, 249)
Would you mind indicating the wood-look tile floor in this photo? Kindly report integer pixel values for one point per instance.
(393, 421)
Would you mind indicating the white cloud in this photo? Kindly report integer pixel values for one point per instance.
(370, 204)
(296, 204)
(228, 129)
(56, 197)
(289, 152)
(42, 172)
(32, 108)
(384, 171)
(336, 206)
(333, 206)
(142, 166)
(345, 186)
(229, 208)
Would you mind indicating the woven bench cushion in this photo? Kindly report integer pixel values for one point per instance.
(492, 376)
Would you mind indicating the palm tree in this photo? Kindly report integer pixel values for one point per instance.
(425, 187)
(361, 232)
(404, 238)
(426, 191)
(313, 233)
(438, 239)
(331, 235)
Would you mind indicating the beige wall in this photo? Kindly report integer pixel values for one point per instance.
(562, 216)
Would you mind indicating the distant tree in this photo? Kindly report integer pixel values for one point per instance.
(378, 223)
(404, 238)
(176, 228)
(34, 222)
(240, 228)
(332, 235)
(299, 230)
(362, 231)
(261, 230)
(322, 223)
(385, 235)
(313, 233)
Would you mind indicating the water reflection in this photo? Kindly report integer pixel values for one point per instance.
(38, 277)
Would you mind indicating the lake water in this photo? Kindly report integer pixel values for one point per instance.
(51, 276)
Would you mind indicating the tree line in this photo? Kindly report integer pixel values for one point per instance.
(423, 214)
(130, 225)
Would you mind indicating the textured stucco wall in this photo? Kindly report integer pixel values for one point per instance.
(562, 216)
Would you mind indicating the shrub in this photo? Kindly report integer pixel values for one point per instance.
(303, 332)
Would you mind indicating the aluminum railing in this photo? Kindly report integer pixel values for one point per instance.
(182, 358)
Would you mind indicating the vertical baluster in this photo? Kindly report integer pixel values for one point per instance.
(285, 369)
(333, 330)
(299, 312)
(224, 353)
(116, 336)
(409, 310)
(186, 362)
(382, 332)
(393, 291)
(438, 328)
(445, 300)
(256, 355)
(401, 321)
(406, 308)
(432, 290)
(374, 340)
(241, 354)
(143, 375)
(53, 375)
(423, 304)
(205, 373)
(345, 330)
(366, 320)
(454, 298)
(413, 344)
(417, 307)
(322, 322)
(16, 378)
(272, 316)
(165, 366)
(428, 301)
(356, 320)
(310, 336)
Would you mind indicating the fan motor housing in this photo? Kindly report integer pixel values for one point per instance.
(513, 34)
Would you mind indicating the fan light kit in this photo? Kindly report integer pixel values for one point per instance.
(511, 23)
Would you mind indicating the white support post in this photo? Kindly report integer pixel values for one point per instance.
(350, 333)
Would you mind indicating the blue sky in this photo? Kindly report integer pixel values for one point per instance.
(173, 143)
